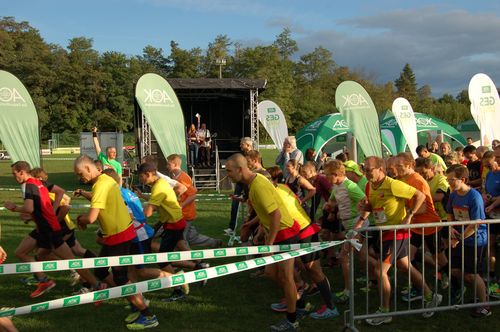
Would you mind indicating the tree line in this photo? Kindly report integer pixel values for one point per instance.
(76, 87)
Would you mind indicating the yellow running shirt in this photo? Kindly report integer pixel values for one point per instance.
(164, 198)
(265, 200)
(388, 201)
(114, 220)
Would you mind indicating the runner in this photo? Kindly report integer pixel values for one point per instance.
(109, 210)
(425, 214)
(466, 204)
(345, 196)
(188, 205)
(48, 235)
(282, 229)
(173, 223)
(308, 233)
(386, 200)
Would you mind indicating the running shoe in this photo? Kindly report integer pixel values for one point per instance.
(481, 312)
(175, 297)
(304, 312)
(285, 325)
(311, 290)
(279, 306)
(30, 281)
(43, 287)
(413, 295)
(133, 316)
(435, 302)
(445, 282)
(74, 278)
(325, 313)
(457, 295)
(341, 297)
(143, 322)
(82, 290)
(379, 320)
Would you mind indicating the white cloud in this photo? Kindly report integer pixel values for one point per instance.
(445, 49)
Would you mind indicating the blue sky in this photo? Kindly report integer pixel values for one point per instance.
(445, 42)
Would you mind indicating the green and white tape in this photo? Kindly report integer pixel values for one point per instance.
(161, 283)
(176, 256)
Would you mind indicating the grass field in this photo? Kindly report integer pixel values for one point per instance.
(233, 303)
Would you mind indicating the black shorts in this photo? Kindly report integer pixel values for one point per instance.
(469, 266)
(292, 240)
(120, 276)
(70, 238)
(402, 250)
(312, 256)
(429, 240)
(169, 240)
(140, 248)
(34, 234)
(49, 240)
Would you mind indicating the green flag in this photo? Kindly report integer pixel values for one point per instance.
(358, 110)
(18, 121)
(162, 110)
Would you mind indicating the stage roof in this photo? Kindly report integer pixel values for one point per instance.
(216, 83)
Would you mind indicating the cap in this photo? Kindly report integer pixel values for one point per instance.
(351, 166)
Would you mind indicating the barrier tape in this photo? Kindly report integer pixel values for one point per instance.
(176, 256)
(161, 283)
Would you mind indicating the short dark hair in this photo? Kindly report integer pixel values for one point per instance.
(470, 149)
(146, 168)
(276, 173)
(460, 171)
(21, 165)
(420, 148)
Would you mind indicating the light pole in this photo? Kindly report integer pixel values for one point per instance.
(221, 62)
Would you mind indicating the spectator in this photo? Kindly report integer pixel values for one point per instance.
(246, 145)
(289, 151)
(205, 145)
(469, 141)
(444, 149)
(311, 157)
(193, 144)
(108, 160)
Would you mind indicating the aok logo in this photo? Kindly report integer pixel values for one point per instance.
(486, 89)
(157, 96)
(271, 110)
(355, 99)
(426, 122)
(340, 124)
(8, 95)
(315, 125)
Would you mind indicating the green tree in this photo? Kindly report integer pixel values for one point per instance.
(217, 50)
(406, 86)
(285, 44)
(184, 63)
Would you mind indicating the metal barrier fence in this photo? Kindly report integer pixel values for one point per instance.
(440, 229)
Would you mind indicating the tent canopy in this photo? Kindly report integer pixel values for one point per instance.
(469, 125)
(321, 131)
(425, 123)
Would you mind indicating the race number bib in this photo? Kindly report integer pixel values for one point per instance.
(461, 213)
(379, 215)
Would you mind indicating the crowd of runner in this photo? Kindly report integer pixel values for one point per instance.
(296, 201)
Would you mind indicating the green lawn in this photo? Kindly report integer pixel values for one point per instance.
(231, 303)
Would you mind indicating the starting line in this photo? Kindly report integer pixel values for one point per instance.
(167, 282)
